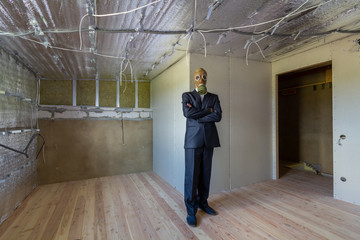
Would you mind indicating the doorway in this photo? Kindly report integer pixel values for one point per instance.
(305, 120)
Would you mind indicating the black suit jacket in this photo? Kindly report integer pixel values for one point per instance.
(200, 121)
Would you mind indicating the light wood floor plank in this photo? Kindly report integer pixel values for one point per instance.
(121, 222)
(160, 220)
(173, 217)
(77, 220)
(143, 206)
(135, 224)
(59, 206)
(88, 229)
(65, 222)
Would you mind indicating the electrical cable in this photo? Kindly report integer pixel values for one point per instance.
(44, 160)
(187, 49)
(108, 56)
(179, 32)
(71, 50)
(148, 31)
(261, 38)
(80, 29)
(50, 46)
(201, 31)
(125, 12)
(297, 35)
(109, 15)
(262, 23)
(42, 147)
(10, 34)
(247, 53)
(24, 152)
(194, 19)
(282, 19)
(204, 41)
(14, 150)
(131, 70)
(260, 50)
(249, 43)
(125, 83)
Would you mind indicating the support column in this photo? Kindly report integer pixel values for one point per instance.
(74, 90)
(97, 91)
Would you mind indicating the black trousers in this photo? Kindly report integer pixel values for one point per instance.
(198, 163)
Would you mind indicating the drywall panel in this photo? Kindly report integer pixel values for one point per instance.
(107, 93)
(85, 92)
(82, 149)
(244, 129)
(250, 122)
(56, 92)
(217, 69)
(346, 112)
(345, 65)
(169, 123)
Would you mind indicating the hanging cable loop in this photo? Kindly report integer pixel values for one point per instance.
(25, 151)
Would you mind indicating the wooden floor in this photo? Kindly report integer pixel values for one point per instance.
(142, 206)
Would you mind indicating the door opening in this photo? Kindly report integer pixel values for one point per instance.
(305, 120)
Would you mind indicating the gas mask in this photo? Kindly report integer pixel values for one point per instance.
(200, 78)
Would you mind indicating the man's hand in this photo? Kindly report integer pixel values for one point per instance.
(190, 106)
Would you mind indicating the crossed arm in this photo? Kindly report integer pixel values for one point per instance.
(212, 114)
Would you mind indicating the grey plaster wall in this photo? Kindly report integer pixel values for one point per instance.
(18, 174)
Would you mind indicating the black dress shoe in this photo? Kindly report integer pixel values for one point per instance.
(191, 220)
(208, 210)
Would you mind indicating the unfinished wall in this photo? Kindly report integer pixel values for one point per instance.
(56, 92)
(107, 93)
(245, 98)
(18, 175)
(87, 141)
(85, 93)
(60, 92)
(87, 148)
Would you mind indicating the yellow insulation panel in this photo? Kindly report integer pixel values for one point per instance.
(56, 92)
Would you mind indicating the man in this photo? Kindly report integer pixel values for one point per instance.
(201, 109)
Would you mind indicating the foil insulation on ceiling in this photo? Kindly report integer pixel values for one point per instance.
(45, 34)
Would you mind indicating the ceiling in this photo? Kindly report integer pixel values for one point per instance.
(65, 39)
